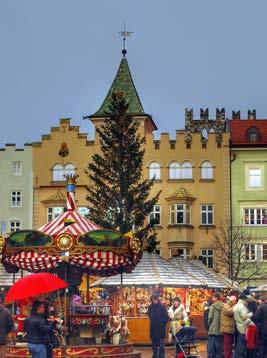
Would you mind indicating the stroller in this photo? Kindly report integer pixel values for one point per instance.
(186, 343)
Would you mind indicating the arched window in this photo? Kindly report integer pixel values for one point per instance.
(206, 170)
(187, 172)
(154, 170)
(58, 172)
(253, 134)
(69, 169)
(174, 171)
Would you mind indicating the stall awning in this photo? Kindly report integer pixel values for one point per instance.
(6, 279)
(208, 276)
(153, 270)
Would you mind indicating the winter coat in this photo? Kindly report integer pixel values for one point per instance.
(242, 316)
(214, 319)
(252, 306)
(6, 323)
(158, 316)
(37, 329)
(260, 318)
(227, 318)
(177, 315)
(252, 339)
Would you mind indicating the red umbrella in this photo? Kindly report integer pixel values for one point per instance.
(34, 285)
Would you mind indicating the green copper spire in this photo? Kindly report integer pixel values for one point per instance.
(123, 86)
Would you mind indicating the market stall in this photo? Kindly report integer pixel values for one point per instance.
(72, 247)
(193, 284)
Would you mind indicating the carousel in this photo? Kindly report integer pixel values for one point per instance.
(74, 248)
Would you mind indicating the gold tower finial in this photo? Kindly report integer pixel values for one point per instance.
(71, 178)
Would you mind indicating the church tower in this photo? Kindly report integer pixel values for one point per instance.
(123, 86)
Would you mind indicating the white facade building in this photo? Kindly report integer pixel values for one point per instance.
(16, 188)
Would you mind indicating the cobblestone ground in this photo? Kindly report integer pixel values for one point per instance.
(147, 352)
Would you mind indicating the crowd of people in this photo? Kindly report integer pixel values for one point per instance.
(236, 328)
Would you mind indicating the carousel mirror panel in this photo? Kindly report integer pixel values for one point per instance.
(108, 238)
(28, 238)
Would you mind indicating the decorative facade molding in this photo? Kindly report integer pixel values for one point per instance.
(181, 194)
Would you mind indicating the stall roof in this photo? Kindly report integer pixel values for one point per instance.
(207, 275)
(153, 270)
(6, 279)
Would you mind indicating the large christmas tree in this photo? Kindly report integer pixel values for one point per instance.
(119, 198)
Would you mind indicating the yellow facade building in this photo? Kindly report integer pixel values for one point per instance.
(64, 150)
(191, 170)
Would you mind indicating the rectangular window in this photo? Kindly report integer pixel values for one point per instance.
(83, 210)
(14, 225)
(207, 216)
(184, 253)
(16, 168)
(180, 214)
(54, 212)
(207, 257)
(255, 216)
(255, 177)
(250, 252)
(154, 216)
(16, 199)
(256, 252)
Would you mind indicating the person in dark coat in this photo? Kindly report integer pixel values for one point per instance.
(6, 326)
(260, 318)
(37, 329)
(158, 317)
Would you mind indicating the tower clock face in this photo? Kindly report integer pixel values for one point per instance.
(64, 241)
(119, 94)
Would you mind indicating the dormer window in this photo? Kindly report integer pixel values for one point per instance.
(253, 135)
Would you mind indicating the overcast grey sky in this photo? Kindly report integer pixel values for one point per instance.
(59, 57)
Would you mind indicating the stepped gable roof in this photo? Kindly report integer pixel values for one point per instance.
(153, 270)
(181, 193)
(57, 197)
(238, 130)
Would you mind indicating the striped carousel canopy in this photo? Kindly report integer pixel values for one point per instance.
(70, 222)
(72, 238)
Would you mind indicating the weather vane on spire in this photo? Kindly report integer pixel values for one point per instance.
(125, 34)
